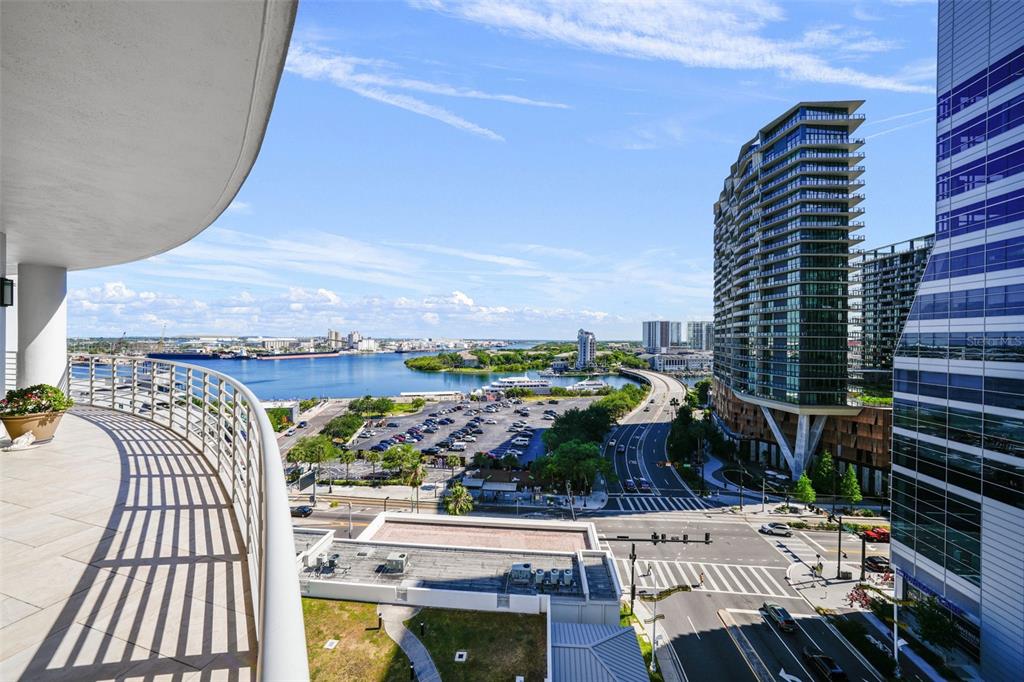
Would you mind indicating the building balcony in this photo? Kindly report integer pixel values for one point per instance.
(151, 538)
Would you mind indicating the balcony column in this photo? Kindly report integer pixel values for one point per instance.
(42, 325)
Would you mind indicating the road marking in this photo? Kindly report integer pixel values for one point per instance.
(693, 626)
(783, 642)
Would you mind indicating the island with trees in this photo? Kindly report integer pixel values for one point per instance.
(541, 356)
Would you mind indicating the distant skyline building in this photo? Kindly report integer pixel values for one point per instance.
(881, 293)
(658, 334)
(700, 334)
(958, 400)
(586, 349)
(783, 230)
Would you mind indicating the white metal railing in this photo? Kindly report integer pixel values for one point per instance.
(224, 420)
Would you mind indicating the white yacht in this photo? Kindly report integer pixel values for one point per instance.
(505, 383)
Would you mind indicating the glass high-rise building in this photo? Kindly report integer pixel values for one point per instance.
(958, 432)
(783, 230)
(658, 334)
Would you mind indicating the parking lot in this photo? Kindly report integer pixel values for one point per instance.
(496, 438)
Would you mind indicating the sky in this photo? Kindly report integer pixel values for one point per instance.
(512, 169)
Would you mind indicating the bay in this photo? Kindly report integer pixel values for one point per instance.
(351, 376)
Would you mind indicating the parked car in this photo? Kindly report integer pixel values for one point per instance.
(302, 511)
(469, 439)
(777, 529)
(478, 431)
(490, 421)
(290, 432)
(433, 450)
(644, 485)
(647, 409)
(629, 486)
(549, 417)
(458, 446)
(878, 564)
(392, 425)
(552, 402)
(822, 666)
(877, 535)
(779, 616)
(303, 424)
(521, 441)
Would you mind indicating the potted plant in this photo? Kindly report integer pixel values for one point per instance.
(36, 409)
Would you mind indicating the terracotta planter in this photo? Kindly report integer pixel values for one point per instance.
(42, 425)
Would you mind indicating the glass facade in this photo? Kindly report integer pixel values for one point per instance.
(783, 230)
(958, 380)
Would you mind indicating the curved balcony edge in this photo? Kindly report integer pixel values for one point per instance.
(220, 416)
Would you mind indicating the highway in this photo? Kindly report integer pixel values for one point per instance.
(644, 434)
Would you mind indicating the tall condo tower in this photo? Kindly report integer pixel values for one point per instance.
(783, 230)
(958, 398)
(586, 349)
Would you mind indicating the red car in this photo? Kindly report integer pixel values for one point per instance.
(877, 535)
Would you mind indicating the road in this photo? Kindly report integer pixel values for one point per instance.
(333, 408)
(741, 571)
(644, 433)
(730, 578)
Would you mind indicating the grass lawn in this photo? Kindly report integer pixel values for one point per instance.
(361, 655)
(500, 645)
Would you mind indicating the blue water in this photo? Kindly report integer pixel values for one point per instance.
(349, 376)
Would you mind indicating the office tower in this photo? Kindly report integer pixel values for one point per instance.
(586, 349)
(698, 333)
(782, 238)
(709, 336)
(660, 334)
(881, 293)
(958, 389)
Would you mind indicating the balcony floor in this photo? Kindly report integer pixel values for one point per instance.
(120, 559)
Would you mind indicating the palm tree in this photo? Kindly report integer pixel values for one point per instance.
(312, 450)
(347, 457)
(458, 501)
(453, 461)
(372, 456)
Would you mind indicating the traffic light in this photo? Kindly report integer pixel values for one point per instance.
(686, 537)
(654, 538)
(663, 538)
(707, 538)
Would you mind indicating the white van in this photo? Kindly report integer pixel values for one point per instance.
(458, 446)
(520, 441)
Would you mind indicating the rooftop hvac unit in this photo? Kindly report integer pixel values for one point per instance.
(396, 562)
(566, 577)
(551, 577)
(538, 576)
(520, 573)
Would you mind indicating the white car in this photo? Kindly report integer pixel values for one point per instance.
(469, 439)
(490, 421)
(522, 442)
(458, 446)
(777, 529)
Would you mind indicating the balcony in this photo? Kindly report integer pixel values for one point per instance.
(151, 538)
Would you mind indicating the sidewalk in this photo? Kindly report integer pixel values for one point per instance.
(394, 618)
(668, 662)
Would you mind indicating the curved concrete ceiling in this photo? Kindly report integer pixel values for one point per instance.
(126, 128)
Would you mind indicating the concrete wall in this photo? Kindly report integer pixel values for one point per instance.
(419, 596)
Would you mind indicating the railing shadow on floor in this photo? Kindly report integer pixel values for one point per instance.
(166, 593)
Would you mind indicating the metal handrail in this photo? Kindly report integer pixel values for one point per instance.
(224, 420)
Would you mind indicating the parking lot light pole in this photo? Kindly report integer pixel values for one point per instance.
(386, 502)
(349, 520)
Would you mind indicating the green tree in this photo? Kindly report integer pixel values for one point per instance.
(382, 406)
(935, 623)
(804, 490)
(362, 405)
(849, 488)
(589, 425)
(347, 457)
(703, 388)
(313, 450)
(576, 462)
(458, 501)
(343, 427)
(452, 461)
(510, 461)
(408, 462)
(824, 474)
(418, 403)
(373, 457)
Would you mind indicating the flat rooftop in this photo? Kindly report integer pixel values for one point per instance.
(471, 570)
(508, 536)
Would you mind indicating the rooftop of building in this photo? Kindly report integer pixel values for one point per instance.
(513, 534)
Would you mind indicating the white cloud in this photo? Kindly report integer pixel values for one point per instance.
(431, 318)
(460, 298)
(468, 254)
(365, 78)
(328, 296)
(720, 34)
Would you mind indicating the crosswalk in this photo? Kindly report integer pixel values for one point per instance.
(655, 503)
(793, 548)
(759, 581)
